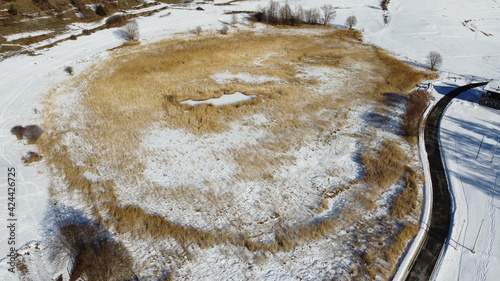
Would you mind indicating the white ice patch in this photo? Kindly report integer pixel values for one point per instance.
(223, 100)
(227, 77)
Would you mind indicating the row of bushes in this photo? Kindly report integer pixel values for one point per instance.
(277, 14)
(417, 103)
(31, 133)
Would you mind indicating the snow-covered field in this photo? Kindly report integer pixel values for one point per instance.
(470, 136)
(464, 32)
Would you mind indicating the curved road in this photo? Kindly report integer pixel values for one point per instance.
(441, 205)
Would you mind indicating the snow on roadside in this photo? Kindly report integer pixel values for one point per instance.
(469, 137)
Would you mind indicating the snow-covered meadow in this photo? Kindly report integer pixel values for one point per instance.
(464, 32)
(470, 138)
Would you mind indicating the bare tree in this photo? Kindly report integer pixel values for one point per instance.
(272, 12)
(198, 30)
(234, 19)
(130, 31)
(434, 59)
(351, 21)
(299, 14)
(312, 16)
(286, 14)
(224, 30)
(329, 14)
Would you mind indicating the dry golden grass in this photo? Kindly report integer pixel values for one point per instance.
(384, 166)
(408, 232)
(407, 200)
(141, 88)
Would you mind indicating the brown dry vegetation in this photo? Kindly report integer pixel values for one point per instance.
(417, 103)
(140, 89)
(407, 200)
(385, 165)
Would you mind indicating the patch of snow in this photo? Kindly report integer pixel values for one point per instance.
(16, 36)
(223, 100)
(227, 77)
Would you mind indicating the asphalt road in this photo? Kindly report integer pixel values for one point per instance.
(441, 205)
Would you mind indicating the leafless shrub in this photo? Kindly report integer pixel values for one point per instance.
(18, 131)
(84, 11)
(32, 133)
(312, 16)
(299, 14)
(351, 21)
(31, 157)
(95, 254)
(384, 4)
(224, 30)
(329, 14)
(417, 102)
(434, 59)
(43, 4)
(198, 30)
(234, 19)
(69, 70)
(115, 19)
(130, 31)
(286, 15)
(101, 10)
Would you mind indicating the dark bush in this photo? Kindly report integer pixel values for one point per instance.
(32, 133)
(12, 10)
(224, 30)
(384, 4)
(72, 37)
(86, 32)
(96, 255)
(18, 131)
(258, 17)
(69, 70)
(417, 103)
(115, 19)
(100, 10)
(31, 157)
(43, 4)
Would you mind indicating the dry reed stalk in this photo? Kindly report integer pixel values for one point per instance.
(139, 89)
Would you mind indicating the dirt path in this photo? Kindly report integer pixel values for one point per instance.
(441, 205)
